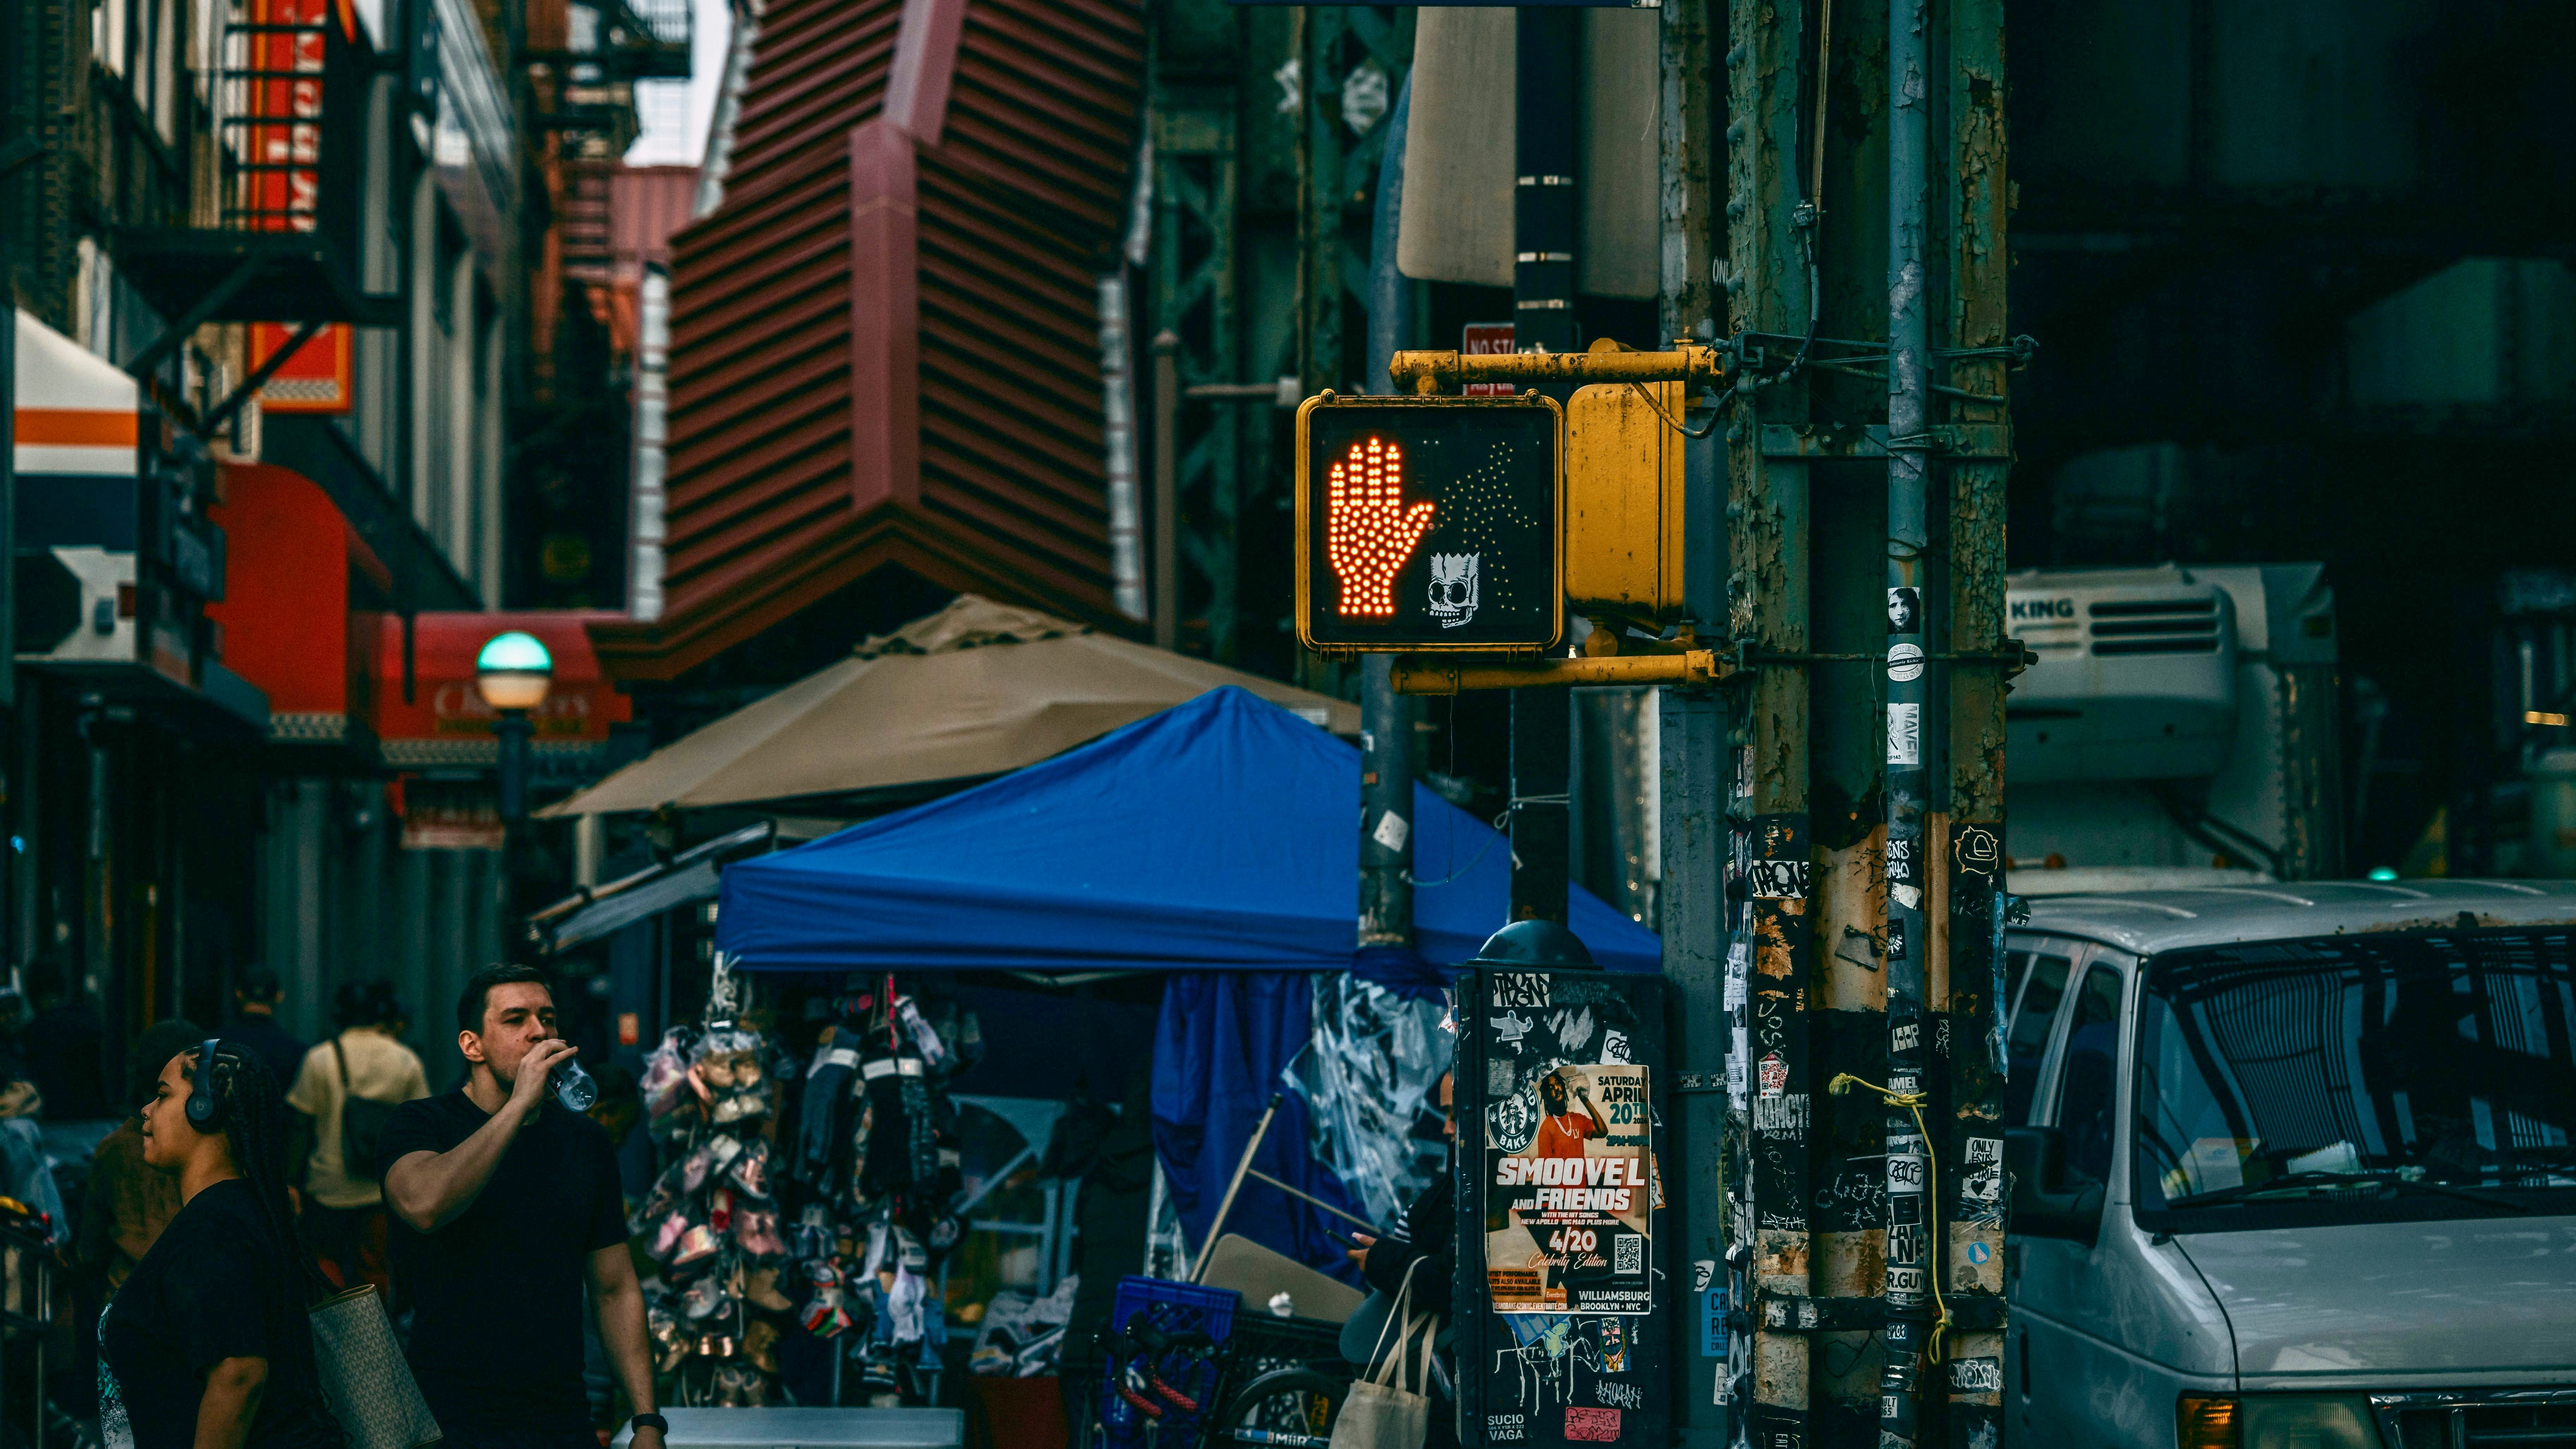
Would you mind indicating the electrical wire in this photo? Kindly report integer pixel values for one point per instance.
(1913, 1102)
(1669, 421)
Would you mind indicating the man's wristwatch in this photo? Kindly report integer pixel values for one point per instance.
(650, 1421)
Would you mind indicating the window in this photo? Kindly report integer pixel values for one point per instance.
(2333, 1076)
(2039, 982)
(2086, 1086)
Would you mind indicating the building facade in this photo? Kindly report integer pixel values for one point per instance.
(289, 280)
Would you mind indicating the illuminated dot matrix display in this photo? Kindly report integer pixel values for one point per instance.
(1428, 524)
(1368, 531)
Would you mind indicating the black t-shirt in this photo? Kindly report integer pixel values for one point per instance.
(216, 1285)
(497, 1295)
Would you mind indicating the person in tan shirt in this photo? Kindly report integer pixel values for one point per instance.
(126, 1204)
(344, 1204)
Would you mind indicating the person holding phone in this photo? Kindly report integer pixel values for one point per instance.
(207, 1345)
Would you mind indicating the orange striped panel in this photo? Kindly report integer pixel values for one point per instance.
(76, 428)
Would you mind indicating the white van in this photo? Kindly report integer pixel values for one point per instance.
(2294, 1168)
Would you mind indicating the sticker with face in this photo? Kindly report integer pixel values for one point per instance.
(1453, 588)
(1904, 611)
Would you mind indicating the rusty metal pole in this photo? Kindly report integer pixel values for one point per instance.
(1968, 992)
(1167, 491)
(1771, 1075)
(1910, 1208)
(1692, 793)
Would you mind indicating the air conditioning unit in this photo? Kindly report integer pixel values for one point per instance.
(2136, 678)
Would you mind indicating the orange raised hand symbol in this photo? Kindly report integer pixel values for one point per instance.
(1368, 530)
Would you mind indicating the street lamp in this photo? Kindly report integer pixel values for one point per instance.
(512, 674)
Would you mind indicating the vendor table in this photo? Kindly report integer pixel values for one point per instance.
(810, 1429)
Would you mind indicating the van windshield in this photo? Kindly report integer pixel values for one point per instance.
(2417, 1075)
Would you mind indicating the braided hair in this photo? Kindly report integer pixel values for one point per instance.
(255, 1130)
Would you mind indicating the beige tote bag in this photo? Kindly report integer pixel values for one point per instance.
(364, 1379)
(1381, 1413)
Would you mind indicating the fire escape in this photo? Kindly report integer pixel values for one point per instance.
(284, 244)
(584, 60)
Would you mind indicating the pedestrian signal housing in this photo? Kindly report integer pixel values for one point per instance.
(1430, 523)
(1623, 509)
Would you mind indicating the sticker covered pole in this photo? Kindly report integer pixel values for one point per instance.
(1771, 946)
(1910, 1297)
(1972, 1254)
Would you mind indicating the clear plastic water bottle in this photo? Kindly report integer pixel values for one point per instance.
(573, 1087)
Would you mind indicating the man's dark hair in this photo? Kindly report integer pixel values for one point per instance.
(259, 988)
(365, 1003)
(469, 1002)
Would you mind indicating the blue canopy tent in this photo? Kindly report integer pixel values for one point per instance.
(1220, 836)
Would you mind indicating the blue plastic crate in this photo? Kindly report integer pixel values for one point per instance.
(1170, 1308)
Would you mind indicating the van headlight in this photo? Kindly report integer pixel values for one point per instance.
(2274, 1421)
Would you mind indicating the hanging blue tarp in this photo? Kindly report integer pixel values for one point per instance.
(1218, 1051)
(1221, 834)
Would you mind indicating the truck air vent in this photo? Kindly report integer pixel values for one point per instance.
(2155, 626)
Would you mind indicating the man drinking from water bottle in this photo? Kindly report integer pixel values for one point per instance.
(506, 1205)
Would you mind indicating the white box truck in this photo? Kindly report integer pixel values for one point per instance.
(2180, 728)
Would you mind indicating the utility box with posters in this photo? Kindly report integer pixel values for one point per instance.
(1429, 524)
(1564, 1333)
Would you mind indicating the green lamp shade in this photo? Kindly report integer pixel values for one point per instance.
(513, 671)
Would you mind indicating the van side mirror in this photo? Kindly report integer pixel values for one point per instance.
(2047, 1202)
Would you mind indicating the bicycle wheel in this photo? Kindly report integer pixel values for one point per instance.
(1284, 1409)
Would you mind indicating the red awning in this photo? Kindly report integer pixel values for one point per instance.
(298, 615)
(446, 722)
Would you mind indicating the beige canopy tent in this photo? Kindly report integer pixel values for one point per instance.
(977, 689)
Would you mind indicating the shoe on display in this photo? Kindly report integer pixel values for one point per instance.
(876, 1371)
(756, 1229)
(668, 1193)
(705, 1298)
(694, 1168)
(668, 1235)
(720, 1209)
(696, 1245)
(760, 1346)
(750, 1170)
(825, 1317)
(760, 1290)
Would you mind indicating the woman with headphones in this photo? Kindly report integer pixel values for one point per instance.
(207, 1345)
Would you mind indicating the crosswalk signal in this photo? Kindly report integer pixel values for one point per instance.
(1430, 523)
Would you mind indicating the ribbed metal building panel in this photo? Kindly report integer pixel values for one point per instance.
(999, 197)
